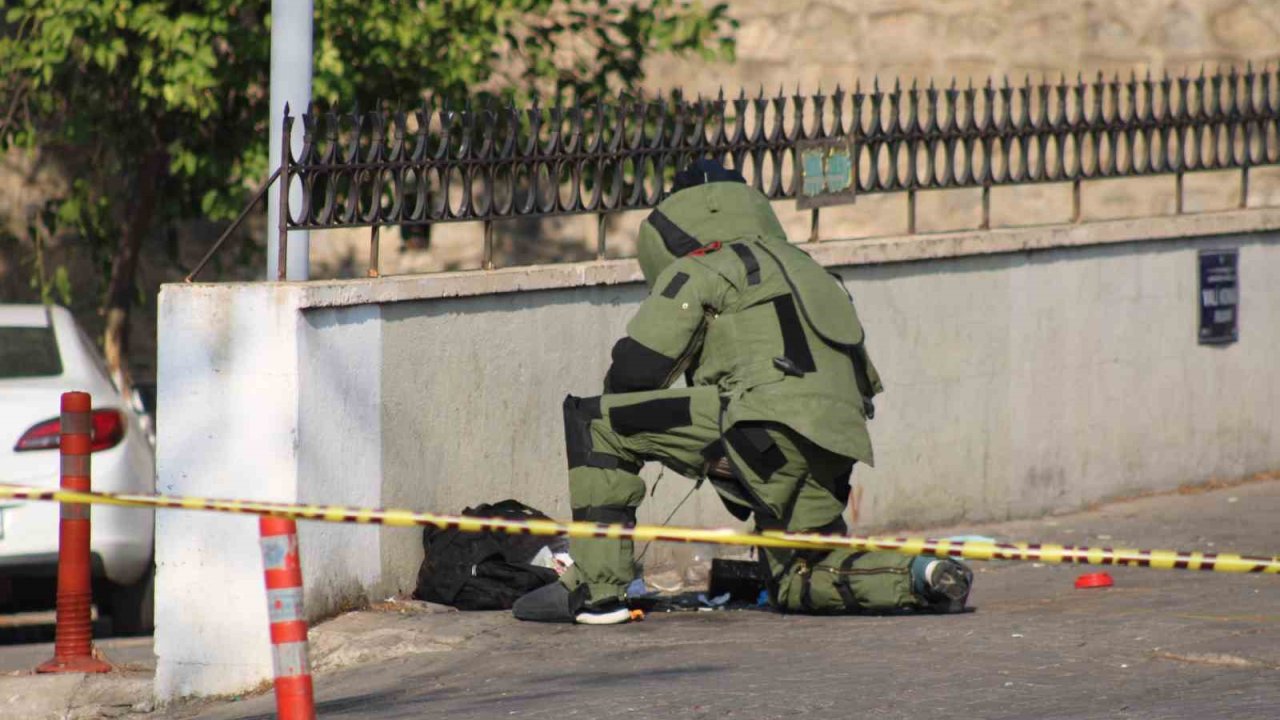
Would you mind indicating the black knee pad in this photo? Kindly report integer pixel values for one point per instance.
(578, 414)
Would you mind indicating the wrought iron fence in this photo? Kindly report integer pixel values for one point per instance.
(447, 164)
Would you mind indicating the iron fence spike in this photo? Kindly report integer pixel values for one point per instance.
(480, 133)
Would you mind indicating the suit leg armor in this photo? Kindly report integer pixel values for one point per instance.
(607, 439)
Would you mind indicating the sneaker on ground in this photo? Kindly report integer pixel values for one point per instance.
(555, 603)
(611, 614)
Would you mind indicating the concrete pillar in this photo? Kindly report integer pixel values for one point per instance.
(228, 397)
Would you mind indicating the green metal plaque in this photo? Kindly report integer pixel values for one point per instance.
(827, 173)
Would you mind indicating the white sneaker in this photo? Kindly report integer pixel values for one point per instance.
(615, 615)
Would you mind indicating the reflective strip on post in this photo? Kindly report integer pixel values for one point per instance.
(282, 570)
(284, 605)
(278, 551)
(75, 465)
(290, 659)
(75, 420)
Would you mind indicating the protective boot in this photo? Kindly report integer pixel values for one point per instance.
(551, 603)
(557, 603)
(948, 586)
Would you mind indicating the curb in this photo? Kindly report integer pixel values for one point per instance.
(76, 696)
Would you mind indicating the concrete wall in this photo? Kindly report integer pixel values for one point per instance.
(260, 401)
(228, 406)
(1026, 370)
(1032, 383)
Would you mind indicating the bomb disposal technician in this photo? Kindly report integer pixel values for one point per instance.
(779, 385)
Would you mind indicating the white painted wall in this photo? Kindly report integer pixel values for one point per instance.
(497, 430)
(340, 426)
(1028, 383)
(1016, 384)
(1027, 371)
(246, 381)
(227, 403)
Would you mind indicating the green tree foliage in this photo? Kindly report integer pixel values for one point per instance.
(155, 111)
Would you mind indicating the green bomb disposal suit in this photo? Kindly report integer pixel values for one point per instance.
(779, 383)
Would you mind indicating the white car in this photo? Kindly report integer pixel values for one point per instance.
(43, 353)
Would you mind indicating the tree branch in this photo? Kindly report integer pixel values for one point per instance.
(18, 97)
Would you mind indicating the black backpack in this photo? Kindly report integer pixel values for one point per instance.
(486, 570)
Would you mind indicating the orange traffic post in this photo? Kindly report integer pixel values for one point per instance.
(280, 562)
(73, 639)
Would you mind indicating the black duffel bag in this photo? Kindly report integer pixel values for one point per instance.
(485, 570)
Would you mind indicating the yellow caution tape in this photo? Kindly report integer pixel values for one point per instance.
(968, 549)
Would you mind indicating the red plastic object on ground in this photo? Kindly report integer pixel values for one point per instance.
(289, 656)
(73, 639)
(1094, 580)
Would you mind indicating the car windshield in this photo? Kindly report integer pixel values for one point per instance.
(28, 352)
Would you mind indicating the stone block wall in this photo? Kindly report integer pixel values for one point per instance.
(817, 44)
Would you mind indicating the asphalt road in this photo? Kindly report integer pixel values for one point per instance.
(1160, 644)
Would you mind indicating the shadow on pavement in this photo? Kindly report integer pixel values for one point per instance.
(480, 701)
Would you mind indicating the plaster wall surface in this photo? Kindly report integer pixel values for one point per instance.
(340, 427)
(472, 413)
(227, 429)
(1016, 384)
(248, 381)
(1024, 384)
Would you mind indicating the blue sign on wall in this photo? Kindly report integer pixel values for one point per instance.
(1219, 297)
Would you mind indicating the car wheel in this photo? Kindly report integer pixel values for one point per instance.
(132, 607)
